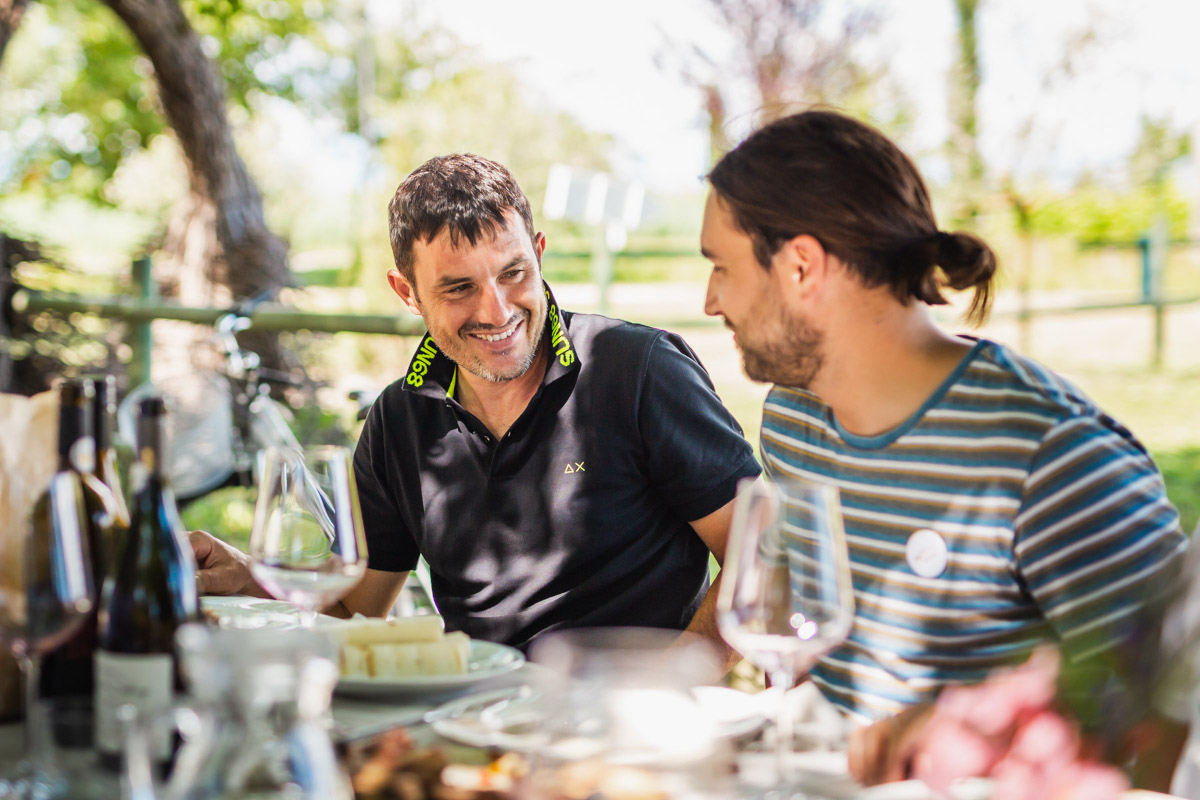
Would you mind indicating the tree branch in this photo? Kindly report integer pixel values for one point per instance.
(193, 100)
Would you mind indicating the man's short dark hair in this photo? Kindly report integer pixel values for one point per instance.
(466, 194)
(823, 174)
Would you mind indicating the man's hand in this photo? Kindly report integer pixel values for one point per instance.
(222, 568)
(882, 752)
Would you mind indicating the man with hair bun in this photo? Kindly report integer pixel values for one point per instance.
(989, 504)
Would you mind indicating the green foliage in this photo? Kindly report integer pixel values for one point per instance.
(1181, 471)
(1095, 213)
(83, 81)
(227, 514)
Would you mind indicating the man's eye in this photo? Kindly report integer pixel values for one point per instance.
(459, 289)
(514, 273)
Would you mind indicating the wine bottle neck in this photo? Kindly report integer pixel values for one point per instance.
(150, 448)
(76, 449)
(104, 409)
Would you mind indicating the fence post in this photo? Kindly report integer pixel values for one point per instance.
(141, 342)
(1154, 266)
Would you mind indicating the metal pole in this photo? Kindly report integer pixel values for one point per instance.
(602, 266)
(141, 338)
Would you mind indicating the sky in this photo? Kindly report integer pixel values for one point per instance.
(597, 61)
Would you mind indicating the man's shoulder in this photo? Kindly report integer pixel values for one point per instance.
(1021, 381)
(608, 343)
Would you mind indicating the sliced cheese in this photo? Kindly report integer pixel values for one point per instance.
(368, 630)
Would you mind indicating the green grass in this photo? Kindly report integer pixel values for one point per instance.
(1181, 470)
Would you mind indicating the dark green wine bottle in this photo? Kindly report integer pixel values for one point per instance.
(149, 592)
(67, 671)
(104, 411)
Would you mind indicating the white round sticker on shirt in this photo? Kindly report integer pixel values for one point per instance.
(926, 553)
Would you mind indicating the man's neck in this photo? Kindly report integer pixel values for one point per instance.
(498, 404)
(883, 362)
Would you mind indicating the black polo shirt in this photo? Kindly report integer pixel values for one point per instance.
(578, 516)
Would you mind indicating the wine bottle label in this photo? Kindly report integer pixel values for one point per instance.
(142, 680)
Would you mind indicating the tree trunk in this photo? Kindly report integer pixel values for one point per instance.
(10, 18)
(250, 258)
(966, 163)
(193, 99)
(5, 306)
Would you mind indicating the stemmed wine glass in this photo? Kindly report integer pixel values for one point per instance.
(786, 597)
(57, 596)
(307, 541)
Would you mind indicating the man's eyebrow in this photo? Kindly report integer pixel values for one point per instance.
(450, 280)
(704, 251)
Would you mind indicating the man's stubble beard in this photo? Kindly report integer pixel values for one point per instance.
(475, 365)
(479, 369)
(793, 358)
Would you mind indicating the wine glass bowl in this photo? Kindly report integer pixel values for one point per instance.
(307, 541)
(57, 595)
(786, 596)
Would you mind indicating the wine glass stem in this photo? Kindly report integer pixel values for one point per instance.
(785, 726)
(39, 750)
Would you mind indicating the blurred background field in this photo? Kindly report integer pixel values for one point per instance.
(1063, 133)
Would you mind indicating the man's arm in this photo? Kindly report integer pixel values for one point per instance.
(223, 569)
(713, 530)
(372, 596)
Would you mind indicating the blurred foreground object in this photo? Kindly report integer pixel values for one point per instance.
(27, 460)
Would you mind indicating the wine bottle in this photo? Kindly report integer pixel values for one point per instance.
(67, 671)
(104, 410)
(150, 591)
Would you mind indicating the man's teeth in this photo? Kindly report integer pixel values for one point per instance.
(498, 336)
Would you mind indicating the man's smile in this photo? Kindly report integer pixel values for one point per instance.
(498, 336)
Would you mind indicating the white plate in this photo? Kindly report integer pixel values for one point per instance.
(486, 660)
(736, 713)
(251, 613)
(509, 718)
(506, 718)
(966, 789)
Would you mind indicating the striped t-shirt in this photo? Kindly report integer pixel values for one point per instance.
(1055, 522)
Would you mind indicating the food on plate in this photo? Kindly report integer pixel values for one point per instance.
(362, 630)
(390, 767)
(593, 778)
(400, 647)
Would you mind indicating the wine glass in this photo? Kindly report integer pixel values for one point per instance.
(786, 597)
(57, 596)
(307, 541)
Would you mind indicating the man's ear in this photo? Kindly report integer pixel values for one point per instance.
(802, 264)
(404, 290)
(539, 246)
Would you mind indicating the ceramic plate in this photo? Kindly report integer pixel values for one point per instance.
(509, 718)
(969, 789)
(506, 718)
(486, 660)
(736, 713)
(250, 613)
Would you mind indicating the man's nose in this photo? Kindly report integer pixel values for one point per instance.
(712, 306)
(494, 307)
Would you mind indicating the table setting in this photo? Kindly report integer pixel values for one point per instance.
(275, 699)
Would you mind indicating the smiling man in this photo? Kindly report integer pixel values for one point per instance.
(555, 470)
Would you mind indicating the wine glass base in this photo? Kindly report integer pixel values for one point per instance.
(30, 782)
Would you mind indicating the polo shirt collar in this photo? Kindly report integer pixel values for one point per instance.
(431, 372)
